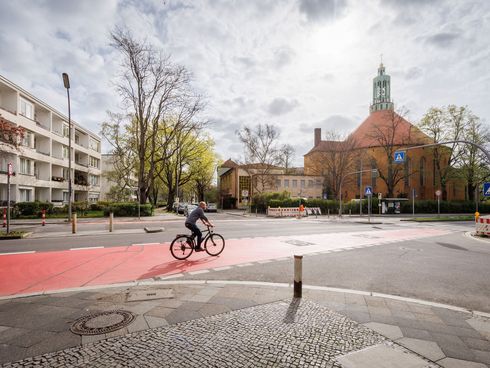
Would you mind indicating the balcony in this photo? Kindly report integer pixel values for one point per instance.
(58, 178)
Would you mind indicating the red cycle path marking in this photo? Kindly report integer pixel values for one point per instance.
(48, 271)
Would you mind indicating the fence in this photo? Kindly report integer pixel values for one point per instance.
(292, 211)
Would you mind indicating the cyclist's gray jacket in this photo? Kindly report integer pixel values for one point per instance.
(195, 215)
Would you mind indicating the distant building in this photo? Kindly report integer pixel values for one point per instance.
(40, 162)
(238, 183)
(107, 183)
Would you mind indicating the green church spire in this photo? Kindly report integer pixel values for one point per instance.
(381, 91)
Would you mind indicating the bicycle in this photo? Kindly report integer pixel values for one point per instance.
(183, 245)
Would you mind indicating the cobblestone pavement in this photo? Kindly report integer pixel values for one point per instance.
(227, 324)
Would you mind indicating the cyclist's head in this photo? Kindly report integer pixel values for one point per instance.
(202, 204)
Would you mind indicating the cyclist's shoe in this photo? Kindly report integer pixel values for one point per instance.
(198, 249)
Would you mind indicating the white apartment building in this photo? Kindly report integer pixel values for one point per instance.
(40, 162)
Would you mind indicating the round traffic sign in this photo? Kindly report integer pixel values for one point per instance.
(438, 192)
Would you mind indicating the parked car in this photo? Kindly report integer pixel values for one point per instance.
(181, 207)
(212, 207)
(189, 208)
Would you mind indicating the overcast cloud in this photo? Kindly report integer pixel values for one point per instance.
(298, 64)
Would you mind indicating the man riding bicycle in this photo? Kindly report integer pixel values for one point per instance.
(191, 220)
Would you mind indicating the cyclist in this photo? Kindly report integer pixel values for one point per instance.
(191, 220)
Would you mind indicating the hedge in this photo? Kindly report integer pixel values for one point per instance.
(128, 209)
(275, 200)
(33, 208)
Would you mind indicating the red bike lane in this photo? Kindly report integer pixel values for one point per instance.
(49, 271)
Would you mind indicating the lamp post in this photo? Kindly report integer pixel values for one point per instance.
(374, 171)
(66, 82)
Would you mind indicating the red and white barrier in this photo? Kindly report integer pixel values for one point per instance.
(4, 217)
(483, 225)
(292, 211)
(43, 216)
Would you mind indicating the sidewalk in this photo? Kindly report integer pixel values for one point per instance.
(237, 324)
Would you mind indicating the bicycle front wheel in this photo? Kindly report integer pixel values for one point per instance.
(181, 247)
(214, 244)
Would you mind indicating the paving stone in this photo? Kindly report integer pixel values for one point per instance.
(421, 309)
(252, 337)
(382, 318)
(415, 333)
(30, 337)
(477, 344)
(482, 356)
(138, 324)
(355, 299)
(161, 312)
(154, 322)
(232, 303)
(379, 311)
(458, 363)
(12, 333)
(453, 346)
(357, 308)
(10, 353)
(180, 315)
(428, 317)
(58, 341)
(482, 325)
(359, 317)
(213, 309)
(403, 314)
(390, 331)
(398, 305)
(375, 302)
(428, 349)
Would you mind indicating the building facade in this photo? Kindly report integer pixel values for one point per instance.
(370, 148)
(40, 161)
(127, 190)
(238, 183)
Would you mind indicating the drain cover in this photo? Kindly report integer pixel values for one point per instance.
(102, 323)
(298, 243)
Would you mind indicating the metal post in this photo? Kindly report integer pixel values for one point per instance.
(8, 203)
(298, 277)
(74, 223)
(438, 206)
(340, 200)
(66, 82)
(360, 190)
(111, 222)
(413, 202)
(369, 208)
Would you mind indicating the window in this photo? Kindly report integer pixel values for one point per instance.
(66, 197)
(92, 198)
(77, 138)
(66, 130)
(25, 166)
(303, 183)
(25, 195)
(65, 173)
(94, 180)
(26, 109)
(310, 183)
(278, 183)
(244, 187)
(318, 183)
(94, 144)
(422, 171)
(65, 152)
(94, 162)
(286, 183)
(26, 141)
(295, 183)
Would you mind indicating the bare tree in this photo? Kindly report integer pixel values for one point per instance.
(389, 134)
(261, 155)
(337, 158)
(150, 86)
(286, 155)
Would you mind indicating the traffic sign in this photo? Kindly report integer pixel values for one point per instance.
(399, 157)
(380, 195)
(10, 169)
(368, 191)
(438, 192)
(486, 189)
(244, 193)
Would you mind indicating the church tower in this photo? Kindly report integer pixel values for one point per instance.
(381, 91)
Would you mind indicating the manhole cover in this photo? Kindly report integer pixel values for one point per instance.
(298, 243)
(102, 323)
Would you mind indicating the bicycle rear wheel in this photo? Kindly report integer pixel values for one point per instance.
(181, 247)
(214, 244)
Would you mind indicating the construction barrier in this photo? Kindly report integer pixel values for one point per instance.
(292, 211)
(483, 225)
(4, 217)
(43, 216)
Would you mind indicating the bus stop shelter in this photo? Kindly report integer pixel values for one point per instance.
(391, 205)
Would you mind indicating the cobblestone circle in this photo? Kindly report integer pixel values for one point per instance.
(295, 333)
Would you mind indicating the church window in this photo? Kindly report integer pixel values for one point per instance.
(286, 183)
(303, 183)
(278, 183)
(310, 183)
(295, 183)
(422, 173)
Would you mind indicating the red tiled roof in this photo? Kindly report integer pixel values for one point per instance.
(326, 146)
(381, 123)
(229, 164)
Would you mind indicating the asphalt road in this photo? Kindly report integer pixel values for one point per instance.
(452, 269)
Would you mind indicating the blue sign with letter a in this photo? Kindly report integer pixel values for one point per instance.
(486, 189)
(368, 191)
(399, 157)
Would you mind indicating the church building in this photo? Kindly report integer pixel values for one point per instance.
(366, 157)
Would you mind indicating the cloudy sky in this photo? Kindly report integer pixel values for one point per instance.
(297, 64)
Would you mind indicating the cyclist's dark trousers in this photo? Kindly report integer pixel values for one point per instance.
(195, 230)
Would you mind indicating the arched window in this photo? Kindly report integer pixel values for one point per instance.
(422, 171)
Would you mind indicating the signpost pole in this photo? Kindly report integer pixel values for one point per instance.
(369, 208)
(8, 201)
(413, 202)
(438, 206)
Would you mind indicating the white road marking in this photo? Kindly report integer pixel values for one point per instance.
(86, 248)
(7, 254)
(222, 268)
(245, 264)
(198, 272)
(143, 244)
(265, 261)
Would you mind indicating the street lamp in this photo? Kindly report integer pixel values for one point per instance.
(66, 82)
(373, 171)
